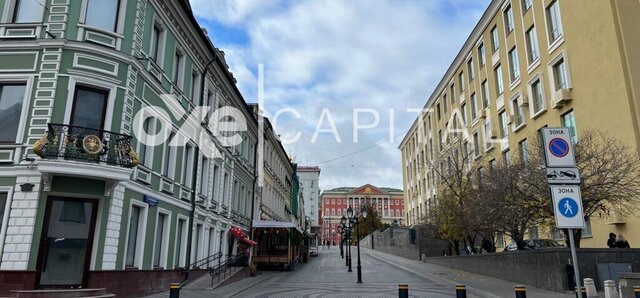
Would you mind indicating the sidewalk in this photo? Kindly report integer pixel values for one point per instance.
(483, 285)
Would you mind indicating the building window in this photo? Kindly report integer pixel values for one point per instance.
(146, 151)
(476, 144)
(3, 209)
(169, 168)
(485, 94)
(102, 14)
(89, 107)
(470, 70)
(560, 74)
(569, 121)
(481, 55)
(533, 232)
(495, 42)
(157, 41)
(487, 135)
(523, 148)
(438, 111)
(532, 44)
(159, 249)
(181, 240)
(187, 165)
(195, 83)
(506, 155)
(537, 96)
(474, 106)
(553, 21)
(587, 231)
(444, 104)
(518, 112)
(11, 101)
(497, 72)
(204, 177)
(463, 111)
(461, 79)
(508, 19)
(452, 92)
(514, 65)
(178, 66)
(28, 11)
(526, 4)
(504, 124)
(133, 245)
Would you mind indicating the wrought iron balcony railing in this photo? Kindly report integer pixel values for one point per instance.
(86, 144)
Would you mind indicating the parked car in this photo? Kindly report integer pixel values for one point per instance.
(313, 251)
(534, 244)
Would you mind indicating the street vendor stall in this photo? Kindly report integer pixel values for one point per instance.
(278, 244)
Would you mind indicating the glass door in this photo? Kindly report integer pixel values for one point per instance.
(65, 248)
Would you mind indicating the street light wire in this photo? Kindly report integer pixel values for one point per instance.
(361, 150)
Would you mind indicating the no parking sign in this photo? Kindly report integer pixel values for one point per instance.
(557, 147)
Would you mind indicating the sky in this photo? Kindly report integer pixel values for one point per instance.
(341, 74)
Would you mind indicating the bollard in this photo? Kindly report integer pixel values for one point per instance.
(636, 290)
(583, 293)
(610, 289)
(590, 287)
(403, 291)
(521, 292)
(174, 290)
(461, 291)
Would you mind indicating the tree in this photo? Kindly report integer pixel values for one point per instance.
(454, 210)
(372, 223)
(610, 177)
(508, 201)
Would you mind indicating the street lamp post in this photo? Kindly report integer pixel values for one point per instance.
(343, 222)
(340, 232)
(355, 223)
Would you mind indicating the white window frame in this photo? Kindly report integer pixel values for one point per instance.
(509, 20)
(170, 169)
(9, 13)
(517, 109)
(186, 175)
(547, 21)
(503, 121)
(180, 64)
(162, 42)
(552, 74)
(26, 104)
(165, 237)
(112, 88)
(182, 242)
(497, 73)
(534, 114)
(495, 39)
(4, 225)
(119, 23)
(142, 231)
(529, 35)
(514, 65)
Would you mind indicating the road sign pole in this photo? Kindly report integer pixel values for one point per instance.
(574, 260)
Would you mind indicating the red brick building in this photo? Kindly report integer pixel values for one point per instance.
(389, 202)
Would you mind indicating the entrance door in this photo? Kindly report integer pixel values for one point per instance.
(65, 246)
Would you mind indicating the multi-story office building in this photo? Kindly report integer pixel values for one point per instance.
(388, 203)
(528, 65)
(309, 179)
(102, 200)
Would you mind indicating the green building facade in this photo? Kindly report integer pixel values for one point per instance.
(84, 190)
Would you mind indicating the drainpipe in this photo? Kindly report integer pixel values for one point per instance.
(194, 173)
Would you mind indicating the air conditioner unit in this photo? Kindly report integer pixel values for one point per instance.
(494, 133)
(561, 97)
(523, 101)
(616, 218)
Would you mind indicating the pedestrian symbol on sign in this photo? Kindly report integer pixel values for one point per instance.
(568, 207)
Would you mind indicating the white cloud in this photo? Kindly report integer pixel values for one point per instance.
(342, 55)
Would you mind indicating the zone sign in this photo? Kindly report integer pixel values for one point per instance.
(557, 147)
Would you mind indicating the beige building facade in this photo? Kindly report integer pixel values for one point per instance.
(530, 64)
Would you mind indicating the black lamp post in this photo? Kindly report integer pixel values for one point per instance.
(340, 232)
(345, 230)
(356, 223)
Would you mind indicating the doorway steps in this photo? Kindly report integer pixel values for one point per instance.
(55, 293)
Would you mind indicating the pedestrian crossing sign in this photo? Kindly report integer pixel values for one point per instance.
(567, 206)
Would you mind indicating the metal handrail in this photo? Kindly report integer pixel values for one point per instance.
(203, 262)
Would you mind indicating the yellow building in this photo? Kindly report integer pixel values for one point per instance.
(530, 64)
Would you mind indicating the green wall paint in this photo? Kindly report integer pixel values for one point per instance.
(77, 185)
(7, 181)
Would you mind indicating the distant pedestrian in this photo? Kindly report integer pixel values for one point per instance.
(611, 243)
(622, 243)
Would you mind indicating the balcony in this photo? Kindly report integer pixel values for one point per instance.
(86, 145)
(84, 152)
